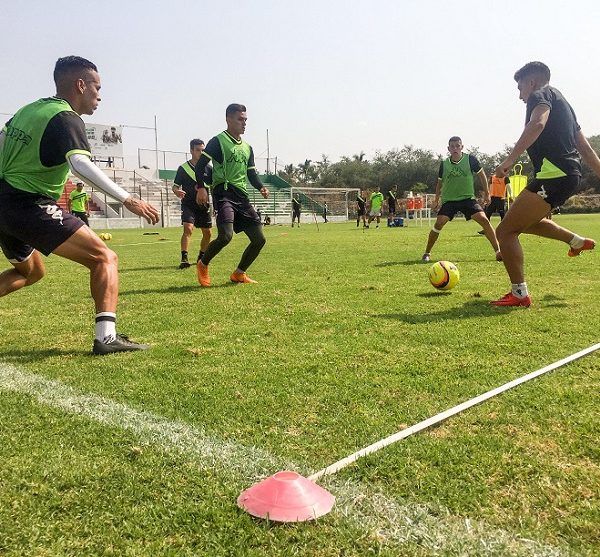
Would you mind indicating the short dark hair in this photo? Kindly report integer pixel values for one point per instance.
(233, 108)
(195, 142)
(454, 138)
(69, 65)
(538, 69)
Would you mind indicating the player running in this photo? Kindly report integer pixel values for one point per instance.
(233, 165)
(38, 147)
(553, 140)
(192, 214)
(296, 209)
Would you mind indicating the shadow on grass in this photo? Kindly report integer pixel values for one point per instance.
(470, 309)
(35, 355)
(425, 264)
(174, 289)
(397, 263)
(135, 269)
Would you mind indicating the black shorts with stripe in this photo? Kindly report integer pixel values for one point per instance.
(31, 221)
(555, 191)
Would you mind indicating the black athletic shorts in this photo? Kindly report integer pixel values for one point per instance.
(81, 216)
(296, 213)
(234, 207)
(196, 215)
(391, 207)
(468, 207)
(555, 191)
(497, 205)
(31, 221)
(361, 211)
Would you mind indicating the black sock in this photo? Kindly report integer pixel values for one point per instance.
(200, 255)
(184, 255)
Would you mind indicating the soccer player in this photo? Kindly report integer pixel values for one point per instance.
(296, 209)
(233, 164)
(78, 203)
(376, 204)
(361, 209)
(391, 199)
(456, 187)
(192, 214)
(498, 189)
(553, 140)
(38, 147)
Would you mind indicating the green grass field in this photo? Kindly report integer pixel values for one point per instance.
(342, 342)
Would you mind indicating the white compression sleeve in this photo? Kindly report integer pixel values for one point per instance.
(86, 170)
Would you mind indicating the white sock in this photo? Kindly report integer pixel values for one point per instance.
(106, 326)
(576, 241)
(520, 290)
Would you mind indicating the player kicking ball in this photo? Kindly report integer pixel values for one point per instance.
(233, 164)
(554, 141)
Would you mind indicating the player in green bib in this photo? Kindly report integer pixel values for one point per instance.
(233, 166)
(39, 146)
(78, 203)
(376, 205)
(456, 187)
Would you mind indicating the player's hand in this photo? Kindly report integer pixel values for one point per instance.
(180, 194)
(142, 209)
(486, 198)
(264, 192)
(503, 168)
(436, 203)
(202, 196)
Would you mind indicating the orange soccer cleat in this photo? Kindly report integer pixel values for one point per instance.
(202, 272)
(588, 243)
(241, 278)
(511, 300)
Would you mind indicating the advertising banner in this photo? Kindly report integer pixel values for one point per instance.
(105, 141)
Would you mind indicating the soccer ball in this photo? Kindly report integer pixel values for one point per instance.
(105, 236)
(444, 275)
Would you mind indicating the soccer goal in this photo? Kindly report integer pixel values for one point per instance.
(331, 204)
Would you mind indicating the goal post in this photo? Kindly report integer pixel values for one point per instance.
(337, 203)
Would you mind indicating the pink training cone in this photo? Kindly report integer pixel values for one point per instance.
(286, 497)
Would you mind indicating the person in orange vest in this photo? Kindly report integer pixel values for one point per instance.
(498, 189)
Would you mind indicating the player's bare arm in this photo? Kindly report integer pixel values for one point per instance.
(533, 129)
(588, 154)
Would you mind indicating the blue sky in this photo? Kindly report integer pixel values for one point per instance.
(324, 77)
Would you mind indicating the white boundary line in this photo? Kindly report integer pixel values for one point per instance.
(390, 520)
(337, 466)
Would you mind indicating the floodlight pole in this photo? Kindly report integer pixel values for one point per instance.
(268, 153)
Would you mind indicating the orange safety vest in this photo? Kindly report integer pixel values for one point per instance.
(498, 187)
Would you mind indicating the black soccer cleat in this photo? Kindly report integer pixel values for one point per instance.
(185, 265)
(120, 343)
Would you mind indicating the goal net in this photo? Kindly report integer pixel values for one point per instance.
(337, 203)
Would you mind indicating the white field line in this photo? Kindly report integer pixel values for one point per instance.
(386, 519)
(374, 447)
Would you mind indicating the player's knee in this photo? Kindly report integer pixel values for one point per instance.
(259, 242)
(35, 273)
(225, 237)
(107, 257)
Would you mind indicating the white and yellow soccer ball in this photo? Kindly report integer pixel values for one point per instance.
(105, 236)
(444, 275)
